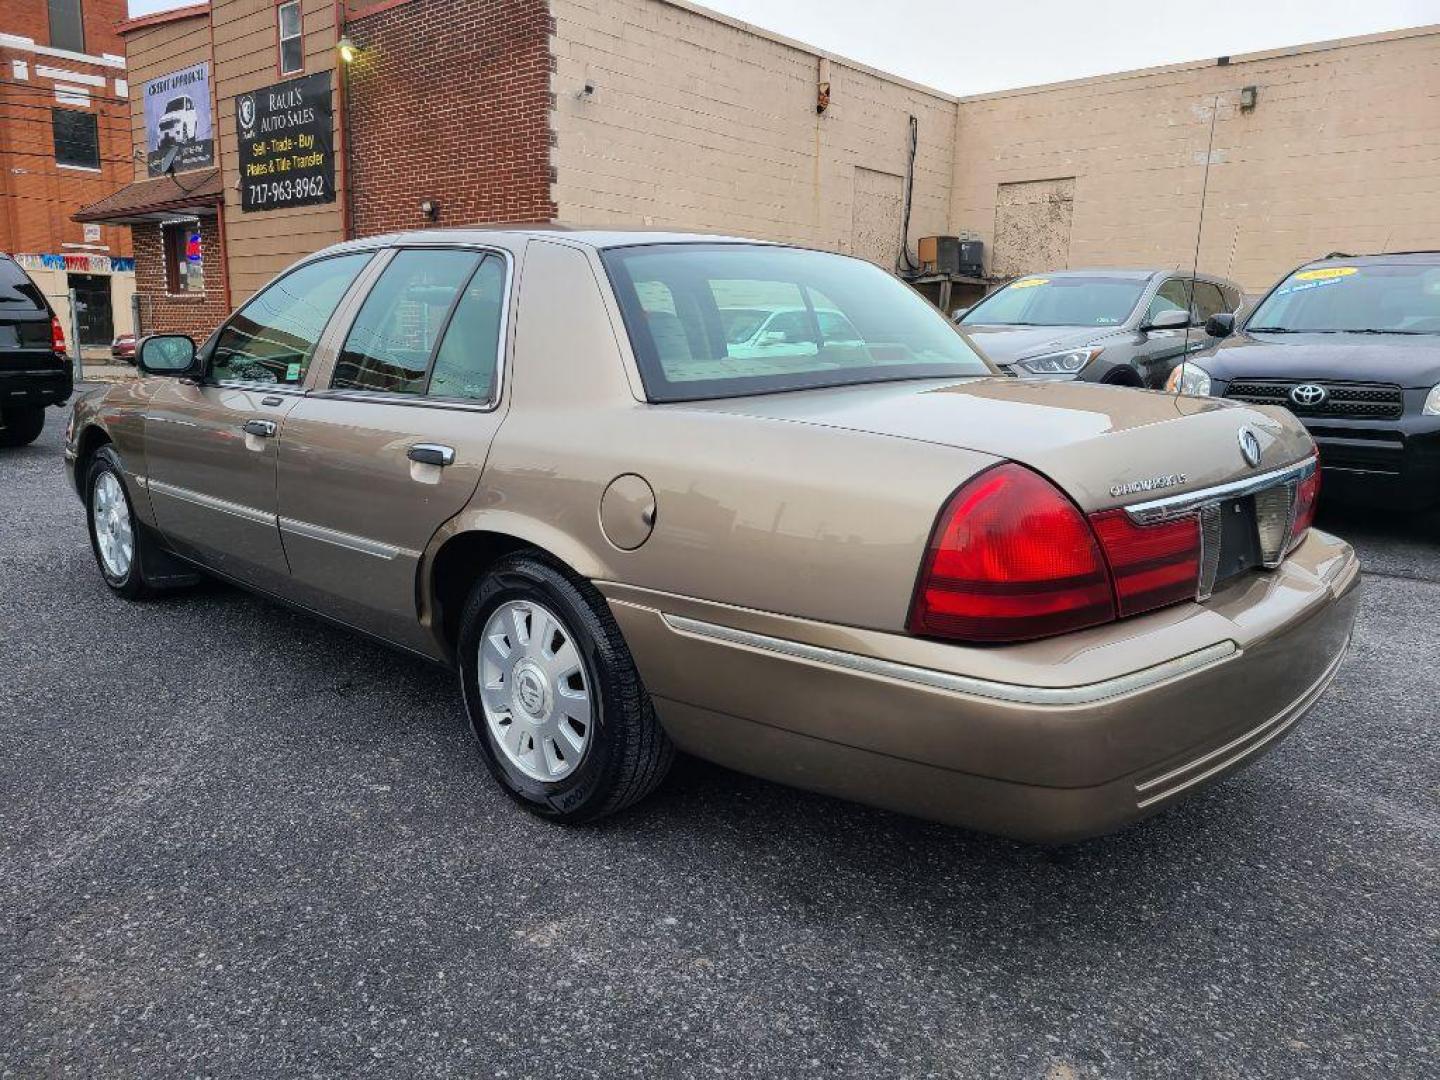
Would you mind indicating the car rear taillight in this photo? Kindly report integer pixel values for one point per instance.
(1307, 500)
(57, 336)
(1011, 558)
(1151, 565)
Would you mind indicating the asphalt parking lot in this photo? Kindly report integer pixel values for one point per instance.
(236, 842)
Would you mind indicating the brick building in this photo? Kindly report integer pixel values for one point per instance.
(65, 142)
(658, 112)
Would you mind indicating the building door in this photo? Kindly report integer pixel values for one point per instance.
(876, 214)
(1032, 226)
(92, 308)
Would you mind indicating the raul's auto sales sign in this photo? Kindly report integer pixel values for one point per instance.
(286, 152)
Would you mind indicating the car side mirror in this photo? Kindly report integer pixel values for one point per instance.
(166, 354)
(1221, 324)
(958, 314)
(1173, 319)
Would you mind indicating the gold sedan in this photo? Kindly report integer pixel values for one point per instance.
(646, 491)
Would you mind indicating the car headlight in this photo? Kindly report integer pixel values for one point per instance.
(1432, 403)
(1060, 363)
(1189, 379)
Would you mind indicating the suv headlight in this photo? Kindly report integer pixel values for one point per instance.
(1189, 378)
(1432, 403)
(1060, 363)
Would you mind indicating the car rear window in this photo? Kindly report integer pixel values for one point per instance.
(722, 320)
(17, 291)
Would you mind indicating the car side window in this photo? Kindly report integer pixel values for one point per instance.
(1231, 297)
(391, 341)
(1208, 300)
(466, 362)
(1174, 295)
(271, 339)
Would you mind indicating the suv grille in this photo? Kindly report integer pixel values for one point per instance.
(1365, 401)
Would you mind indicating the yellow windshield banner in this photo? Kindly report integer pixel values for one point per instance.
(1030, 283)
(1327, 273)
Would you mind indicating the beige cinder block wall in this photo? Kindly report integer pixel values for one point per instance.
(701, 121)
(1340, 153)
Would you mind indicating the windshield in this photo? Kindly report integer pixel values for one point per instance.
(720, 320)
(1378, 298)
(1069, 300)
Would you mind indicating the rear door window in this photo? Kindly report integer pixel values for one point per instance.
(389, 346)
(1174, 295)
(1208, 300)
(272, 338)
(469, 353)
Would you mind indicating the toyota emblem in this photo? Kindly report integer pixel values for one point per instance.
(1309, 395)
(1250, 446)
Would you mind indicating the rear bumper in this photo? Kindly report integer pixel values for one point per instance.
(1050, 741)
(31, 385)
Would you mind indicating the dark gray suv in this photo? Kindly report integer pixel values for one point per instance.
(1115, 326)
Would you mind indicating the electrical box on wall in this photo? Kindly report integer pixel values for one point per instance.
(952, 255)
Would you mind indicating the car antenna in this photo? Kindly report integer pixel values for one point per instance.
(1200, 225)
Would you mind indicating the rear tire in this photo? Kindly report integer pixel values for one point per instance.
(23, 425)
(556, 704)
(116, 537)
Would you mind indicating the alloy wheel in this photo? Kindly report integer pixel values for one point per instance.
(114, 533)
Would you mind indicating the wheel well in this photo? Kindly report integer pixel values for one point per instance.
(458, 565)
(91, 439)
(1122, 376)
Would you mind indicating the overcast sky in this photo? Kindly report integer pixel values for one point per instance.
(974, 47)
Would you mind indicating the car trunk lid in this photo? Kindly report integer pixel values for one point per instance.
(1106, 446)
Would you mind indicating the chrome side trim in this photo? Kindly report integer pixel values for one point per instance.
(1173, 506)
(209, 502)
(364, 545)
(1243, 746)
(960, 684)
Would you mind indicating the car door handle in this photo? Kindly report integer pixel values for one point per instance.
(432, 454)
(264, 428)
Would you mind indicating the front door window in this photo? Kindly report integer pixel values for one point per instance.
(272, 338)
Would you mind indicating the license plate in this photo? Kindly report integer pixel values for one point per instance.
(1239, 538)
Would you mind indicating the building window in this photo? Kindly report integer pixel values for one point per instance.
(184, 257)
(77, 138)
(292, 49)
(67, 26)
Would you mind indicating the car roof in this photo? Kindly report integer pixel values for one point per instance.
(1391, 258)
(588, 237)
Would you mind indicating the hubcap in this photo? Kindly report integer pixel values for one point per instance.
(533, 690)
(114, 534)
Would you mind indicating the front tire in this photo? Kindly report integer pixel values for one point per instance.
(115, 536)
(22, 425)
(561, 716)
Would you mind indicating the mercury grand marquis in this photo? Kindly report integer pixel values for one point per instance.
(872, 565)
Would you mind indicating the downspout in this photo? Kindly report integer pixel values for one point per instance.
(342, 143)
(219, 164)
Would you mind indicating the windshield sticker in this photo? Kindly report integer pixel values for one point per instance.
(1326, 273)
(1030, 283)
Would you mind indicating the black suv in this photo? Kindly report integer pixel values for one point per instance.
(34, 370)
(1351, 346)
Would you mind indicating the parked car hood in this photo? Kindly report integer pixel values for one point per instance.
(1413, 362)
(1087, 437)
(1007, 344)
